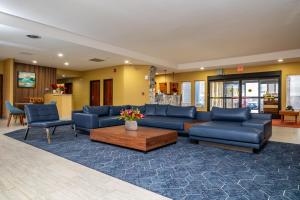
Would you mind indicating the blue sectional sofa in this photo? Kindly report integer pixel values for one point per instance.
(160, 116)
(236, 127)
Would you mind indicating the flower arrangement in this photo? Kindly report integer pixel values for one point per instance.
(59, 89)
(131, 115)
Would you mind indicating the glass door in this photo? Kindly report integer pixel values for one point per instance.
(250, 95)
(231, 94)
(216, 94)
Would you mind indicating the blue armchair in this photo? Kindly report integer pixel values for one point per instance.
(14, 112)
(45, 116)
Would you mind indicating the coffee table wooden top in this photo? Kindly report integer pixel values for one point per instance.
(144, 139)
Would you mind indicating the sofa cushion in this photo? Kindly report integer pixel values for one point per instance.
(48, 124)
(98, 110)
(142, 109)
(150, 109)
(181, 111)
(230, 114)
(161, 110)
(163, 122)
(107, 121)
(116, 110)
(232, 132)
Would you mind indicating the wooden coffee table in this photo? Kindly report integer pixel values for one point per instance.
(144, 139)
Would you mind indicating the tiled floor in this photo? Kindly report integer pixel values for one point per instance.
(30, 173)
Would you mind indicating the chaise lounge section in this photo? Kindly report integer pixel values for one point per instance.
(236, 127)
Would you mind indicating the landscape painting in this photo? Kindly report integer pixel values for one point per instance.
(26, 79)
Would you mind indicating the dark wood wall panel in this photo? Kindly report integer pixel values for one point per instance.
(45, 76)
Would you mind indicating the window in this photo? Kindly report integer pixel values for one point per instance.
(186, 88)
(293, 91)
(200, 94)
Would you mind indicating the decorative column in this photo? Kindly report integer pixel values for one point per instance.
(152, 73)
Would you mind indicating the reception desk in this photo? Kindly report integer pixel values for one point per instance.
(63, 102)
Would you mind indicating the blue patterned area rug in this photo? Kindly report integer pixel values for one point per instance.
(185, 170)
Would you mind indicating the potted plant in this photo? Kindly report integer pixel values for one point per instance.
(130, 117)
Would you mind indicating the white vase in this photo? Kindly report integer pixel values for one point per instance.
(131, 125)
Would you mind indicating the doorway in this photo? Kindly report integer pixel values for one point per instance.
(260, 92)
(95, 93)
(108, 92)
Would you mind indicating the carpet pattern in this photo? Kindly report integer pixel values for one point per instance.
(185, 170)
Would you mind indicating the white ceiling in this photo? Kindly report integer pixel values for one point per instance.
(170, 33)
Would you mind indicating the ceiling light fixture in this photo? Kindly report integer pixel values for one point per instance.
(66, 63)
(156, 73)
(126, 61)
(60, 55)
(34, 62)
(31, 36)
(202, 68)
(280, 60)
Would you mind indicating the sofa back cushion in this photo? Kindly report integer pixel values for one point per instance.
(98, 110)
(161, 110)
(181, 111)
(142, 109)
(230, 114)
(150, 109)
(116, 110)
(41, 112)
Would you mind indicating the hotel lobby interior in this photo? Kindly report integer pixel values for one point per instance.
(152, 100)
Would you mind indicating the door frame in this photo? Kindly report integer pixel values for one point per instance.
(112, 100)
(99, 82)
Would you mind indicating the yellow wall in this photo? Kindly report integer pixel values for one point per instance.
(128, 85)
(287, 69)
(8, 93)
(136, 88)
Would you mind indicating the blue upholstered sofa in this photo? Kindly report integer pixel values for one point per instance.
(160, 116)
(236, 127)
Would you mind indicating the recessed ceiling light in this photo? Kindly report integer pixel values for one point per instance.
(34, 62)
(126, 61)
(63, 76)
(31, 36)
(280, 60)
(202, 68)
(156, 73)
(60, 55)
(66, 63)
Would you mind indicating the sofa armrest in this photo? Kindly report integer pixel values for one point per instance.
(85, 120)
(203, 116)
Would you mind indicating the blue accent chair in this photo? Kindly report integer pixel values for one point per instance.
(14, 112)
(45, 116)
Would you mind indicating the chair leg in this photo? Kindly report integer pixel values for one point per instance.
(53, 130)
(21, 119)
(9, 119)
(48, 135)
(26, 134)
(74, 128)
